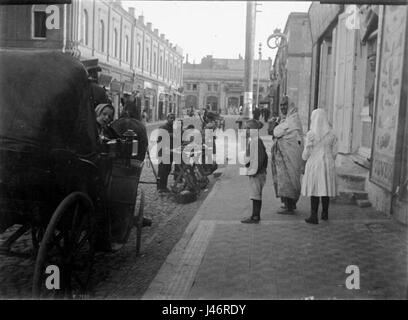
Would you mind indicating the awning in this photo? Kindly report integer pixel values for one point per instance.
(91, 64)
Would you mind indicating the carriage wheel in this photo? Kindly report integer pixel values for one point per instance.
(68, 243)
(140, 223)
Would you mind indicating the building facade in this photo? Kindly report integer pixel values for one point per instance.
(135, 59)
(360, 75)
(220, 84)
(292, 66)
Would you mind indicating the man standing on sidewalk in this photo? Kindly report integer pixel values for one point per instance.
(256, 169)
(165, 168)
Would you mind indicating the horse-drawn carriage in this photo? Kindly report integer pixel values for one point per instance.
(57, 180)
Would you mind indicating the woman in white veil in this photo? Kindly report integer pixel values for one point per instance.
(319, 181)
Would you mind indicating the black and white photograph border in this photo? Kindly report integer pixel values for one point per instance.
(203, 150)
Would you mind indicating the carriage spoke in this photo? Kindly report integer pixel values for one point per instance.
(56, 242)
(77, 233)
(80, 244)
(74, 218)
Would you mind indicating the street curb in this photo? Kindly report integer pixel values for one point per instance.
(170, 266)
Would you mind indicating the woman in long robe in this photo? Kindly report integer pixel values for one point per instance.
(287, 162)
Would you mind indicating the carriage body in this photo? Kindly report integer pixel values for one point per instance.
(54, 177)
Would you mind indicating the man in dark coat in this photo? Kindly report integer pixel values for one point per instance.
(129, 121)
(256, 113)
(256, 165)
(165, 168)
(267, 113)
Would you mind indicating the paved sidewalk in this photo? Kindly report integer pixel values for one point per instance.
(282, 257)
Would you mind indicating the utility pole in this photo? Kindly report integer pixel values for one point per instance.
(259, 70)
(249, 59)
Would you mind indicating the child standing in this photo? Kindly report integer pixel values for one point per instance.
(319, 180)
(256, 169)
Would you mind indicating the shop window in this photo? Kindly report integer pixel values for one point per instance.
(370, 74)
(39, 16)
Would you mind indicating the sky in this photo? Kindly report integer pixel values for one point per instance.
(215, 28)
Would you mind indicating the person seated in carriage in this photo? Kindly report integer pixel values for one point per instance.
(104, 116)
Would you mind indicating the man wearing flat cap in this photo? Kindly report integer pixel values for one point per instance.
(257, 162)
(165, 168)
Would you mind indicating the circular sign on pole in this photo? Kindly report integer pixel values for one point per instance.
(280, 40)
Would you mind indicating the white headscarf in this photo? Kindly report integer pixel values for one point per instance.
(319, 125)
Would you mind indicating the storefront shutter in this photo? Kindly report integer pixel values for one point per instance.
(344, 84)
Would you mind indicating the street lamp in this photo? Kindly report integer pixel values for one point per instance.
(280, 40)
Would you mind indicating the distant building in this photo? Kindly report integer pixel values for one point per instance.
(220, 84)
(292, 66)
(134, 58)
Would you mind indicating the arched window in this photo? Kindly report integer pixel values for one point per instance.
(139, 55)
(161, 66)
(147, 59)
(101, 36)
(126, 48)
(85, 27)
(115, 43)
(213, 102)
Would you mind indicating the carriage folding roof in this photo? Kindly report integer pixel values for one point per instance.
(44, 103)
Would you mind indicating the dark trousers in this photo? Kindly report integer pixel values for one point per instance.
(314, 202)
(163, 175)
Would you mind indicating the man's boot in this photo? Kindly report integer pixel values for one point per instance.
(314, 204)
(256, 212)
